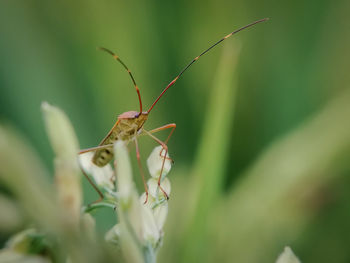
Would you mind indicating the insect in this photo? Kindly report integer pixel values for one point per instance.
(130, 124)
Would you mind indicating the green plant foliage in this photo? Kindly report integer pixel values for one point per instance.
(262, 143)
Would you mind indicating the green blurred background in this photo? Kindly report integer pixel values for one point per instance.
(288, 69)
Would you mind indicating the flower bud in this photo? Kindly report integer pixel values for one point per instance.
(154, 189)
(287, 256)
(151, 231)
(113, 235)
(155, 162)
(103, 176)
(160, 213)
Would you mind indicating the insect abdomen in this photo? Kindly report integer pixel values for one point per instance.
(102, 157)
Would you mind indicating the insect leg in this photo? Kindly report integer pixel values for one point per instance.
(87, 177)
(95, 187)
(167, 126)
(140, 168)
(95, 148)
(165, 147)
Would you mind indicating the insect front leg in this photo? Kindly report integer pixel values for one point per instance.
(95, 148)
(94, 186)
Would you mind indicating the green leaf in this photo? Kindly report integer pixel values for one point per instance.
(212, 155)
(279, 194)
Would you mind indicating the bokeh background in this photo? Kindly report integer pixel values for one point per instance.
(263, 121)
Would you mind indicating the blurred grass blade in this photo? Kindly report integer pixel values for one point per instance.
(24, 175)
(80, 247)
(9, 256)
(11, 217)
(284, 189)
(209, 166)
(67, 173)
(28, 241)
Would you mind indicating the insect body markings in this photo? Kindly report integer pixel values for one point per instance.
(126, 128)
(130, 124)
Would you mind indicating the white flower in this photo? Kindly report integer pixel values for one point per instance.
(140, 229)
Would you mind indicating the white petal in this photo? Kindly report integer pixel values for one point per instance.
(154, 190)
(150, 200)
(287, 256)
(155, 162)
(103, 176)
(129, 208)
(113, 235)
(160, 213)
(150, 229)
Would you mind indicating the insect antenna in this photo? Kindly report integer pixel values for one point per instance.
(128, 70)
(196, 58)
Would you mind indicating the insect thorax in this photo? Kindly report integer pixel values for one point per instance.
(128, 128)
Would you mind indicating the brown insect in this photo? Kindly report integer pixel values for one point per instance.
(130, 124)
